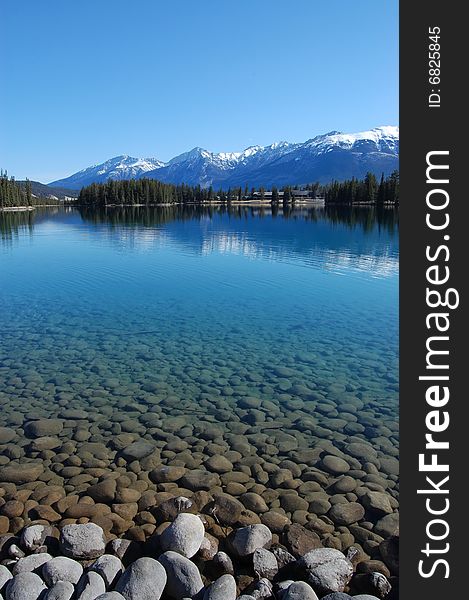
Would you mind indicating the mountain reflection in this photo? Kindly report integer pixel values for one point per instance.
(331, 238)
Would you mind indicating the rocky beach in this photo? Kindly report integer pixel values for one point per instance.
(194, 516)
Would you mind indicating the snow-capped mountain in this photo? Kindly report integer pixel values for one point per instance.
(323, 158)
(120, 167)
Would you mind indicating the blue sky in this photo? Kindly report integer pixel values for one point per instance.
(93, 79)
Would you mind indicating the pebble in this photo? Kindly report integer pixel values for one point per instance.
(85, 541)
(299, 590)
(90, 586)
(62, 590)
(30, 563)
(185, 535)
(224, 588)
(334, 465)
(109, 567)
(5, 576)
(326, 570)
(21, 473)
(61, 568)
(25, 586)
(264, 563)
(111, 596)
(347, 513)
(184, 580)
(144, 579)
(248, 539)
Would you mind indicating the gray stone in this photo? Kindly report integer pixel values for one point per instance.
(5, 576)
(111, 596)
(327, 570)
(25, 586)
(387, 526)
(6, 435)
(346, 513)
(198, 479)
(62, 568)
(137, 450)
(334, 464)
(223, 563)
(337, 596)
(224, 588)
(264, 563)
(262, 588)
(299, 590)
(184, 535)
(144, 579)
(184, 579)
(43, 427)
(62, 590)
(30, 563)
(109, 567)
(82, 541)
(248, 539)
(90, 586)
(34, 536)
(378, 502)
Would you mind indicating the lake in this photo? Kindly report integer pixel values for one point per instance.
(210, 340)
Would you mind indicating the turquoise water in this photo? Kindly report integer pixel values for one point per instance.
(169, 321)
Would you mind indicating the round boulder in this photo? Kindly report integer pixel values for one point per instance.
(82, 541)
(184, 535)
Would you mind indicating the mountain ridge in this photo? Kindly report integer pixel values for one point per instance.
(323, 158)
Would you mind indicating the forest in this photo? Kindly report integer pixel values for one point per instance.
(149, 192)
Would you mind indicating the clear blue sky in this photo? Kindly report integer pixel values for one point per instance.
(92, 79)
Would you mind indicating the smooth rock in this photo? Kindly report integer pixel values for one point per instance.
(30, 563)
(25, 586)
(110, 568)
(5, 576)
(347, 513)
(184, 535)
(82, 541)
(184, 580)
(111, 596)
(90, 586)
(377, 502)
(299, 590)
(144, 579)
(62, 590)
(264, 563)
(62, 568)
(21, 473)
(43, 428)
(6, 435)
(327, 570)
(224, 588)
(248, 539)
(198, 479)
(223, 563)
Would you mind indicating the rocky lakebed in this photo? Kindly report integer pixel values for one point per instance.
(209, 512)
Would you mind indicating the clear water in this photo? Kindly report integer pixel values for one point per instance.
(187, 315)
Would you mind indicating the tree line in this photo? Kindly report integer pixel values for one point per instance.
(366, 191)
(14, 194)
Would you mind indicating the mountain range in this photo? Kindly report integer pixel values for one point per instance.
(324, 158)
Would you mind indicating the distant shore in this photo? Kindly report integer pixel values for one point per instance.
(17, 208)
